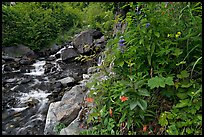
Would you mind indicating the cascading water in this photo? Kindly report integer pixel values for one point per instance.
(39, 69)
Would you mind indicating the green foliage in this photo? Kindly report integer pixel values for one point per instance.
(59, 127)
(163, 45)
(40, 24)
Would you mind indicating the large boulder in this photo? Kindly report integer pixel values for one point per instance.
(18, 51)
(66, 110)
(84, 41)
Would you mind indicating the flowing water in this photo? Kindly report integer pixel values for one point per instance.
(27, 114)
(25, 98)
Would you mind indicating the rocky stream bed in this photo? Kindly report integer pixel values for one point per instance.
(42, 89)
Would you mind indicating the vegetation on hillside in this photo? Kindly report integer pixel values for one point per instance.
(41, 24)
(155, 84)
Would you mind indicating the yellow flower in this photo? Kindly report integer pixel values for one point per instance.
(179, 33)
(168, 35)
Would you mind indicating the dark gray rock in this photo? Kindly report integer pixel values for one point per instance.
(25, 62)
(68, 53)
(7, 68)
(83, 42)
(18, 51)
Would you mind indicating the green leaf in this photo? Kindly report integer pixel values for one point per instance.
(121, 64)
(133, 105)
(162, 120)
(161, 82)
(182, 95)
(169, 81)
(153, 82)
(177, 52)
(157, 34)
(141, 41)
(183, 103)
(142, 104)
(143, 92)
(184, 74)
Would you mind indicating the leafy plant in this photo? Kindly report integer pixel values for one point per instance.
(59, 127)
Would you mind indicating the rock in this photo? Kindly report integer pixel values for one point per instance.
(51, 119)
(92, 70)
(68, 53)
(67, 113)
(18, 51)
(7, 68)
(25, 62)
(66, 81)
(48, 66)
(84, 41)
(54, 48)
(76, 92)
(72, 129)
(85, 76)
(7, 58)
(10, 80)
(24, 81)
(51, 58)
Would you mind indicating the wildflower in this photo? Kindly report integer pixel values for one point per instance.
(89, 100)
(168, 35)
(147, 25)
(110, 112)
(121, 44)
(162, 13)
(144, 128)
(179, 33)
(123, 98)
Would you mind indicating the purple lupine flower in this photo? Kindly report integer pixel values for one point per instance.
(121, 44)
(147, 25)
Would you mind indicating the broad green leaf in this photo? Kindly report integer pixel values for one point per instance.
(157, 34)
(161, 82)
(182, 95)
(169, 81)
(133, 105)
(183, 103)
(143, 92)
(142, 104)
(184, 74)
(153, 82)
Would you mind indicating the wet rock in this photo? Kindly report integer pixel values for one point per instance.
(18, 51)
(58, 55)
(25, 62)
(24, 81)
(10, 80)
(68, 53)
(51, 58)
(66, 81)
(48, 66)
(7, 68)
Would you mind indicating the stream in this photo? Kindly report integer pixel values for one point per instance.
(26, 96)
